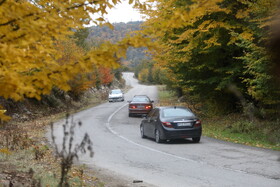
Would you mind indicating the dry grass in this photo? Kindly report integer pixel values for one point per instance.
(24, 151)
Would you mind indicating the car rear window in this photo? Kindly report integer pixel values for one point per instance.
(140, 99)
(176, 112)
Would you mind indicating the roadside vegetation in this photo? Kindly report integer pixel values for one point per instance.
(221, 59)
(217, 53)
(235, 127)
(28, 159)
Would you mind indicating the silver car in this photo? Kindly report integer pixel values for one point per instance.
(116, 95)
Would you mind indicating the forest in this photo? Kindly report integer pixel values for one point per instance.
(222, 53)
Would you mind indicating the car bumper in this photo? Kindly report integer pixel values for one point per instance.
(181, 134)
(130, 111)
(116, 99)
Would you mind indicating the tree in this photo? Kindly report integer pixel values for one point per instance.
(150, 72)
(207, 46)
(29, 32)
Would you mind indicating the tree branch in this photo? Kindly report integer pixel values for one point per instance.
(80, 5)
(14, 20)
(2, 2)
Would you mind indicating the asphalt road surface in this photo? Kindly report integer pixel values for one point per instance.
(119, 149)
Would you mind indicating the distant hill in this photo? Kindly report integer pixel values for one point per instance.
(97, 35)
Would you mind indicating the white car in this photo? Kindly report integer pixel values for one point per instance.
(116, 95)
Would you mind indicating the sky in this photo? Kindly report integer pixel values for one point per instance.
(123, 13)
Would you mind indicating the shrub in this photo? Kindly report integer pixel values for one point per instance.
(243, 127)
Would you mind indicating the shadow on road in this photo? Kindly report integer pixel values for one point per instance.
(178, 141)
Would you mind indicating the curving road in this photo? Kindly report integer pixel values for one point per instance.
(119, 149)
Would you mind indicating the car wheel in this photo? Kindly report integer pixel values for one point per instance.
(129, 115)
(196, 139)
(157, 136)
(142, 131)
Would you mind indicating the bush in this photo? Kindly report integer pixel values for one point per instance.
(243, 127)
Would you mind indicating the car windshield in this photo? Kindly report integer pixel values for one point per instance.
(176, 112)
(140, 99)
(116, 92)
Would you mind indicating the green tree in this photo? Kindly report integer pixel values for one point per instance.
(210, 46)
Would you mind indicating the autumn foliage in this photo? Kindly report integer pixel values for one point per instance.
(214, 51)
(36, 53)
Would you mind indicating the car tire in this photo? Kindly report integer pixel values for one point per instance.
(129, 115)
(142, 132)
(196, 139)
(158, 136)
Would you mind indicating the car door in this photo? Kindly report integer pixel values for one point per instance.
(147, 124)
(154, 121)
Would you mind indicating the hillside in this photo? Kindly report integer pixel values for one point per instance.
(98, 35)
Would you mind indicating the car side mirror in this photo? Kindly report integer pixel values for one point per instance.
(152, 101)
(129, 101)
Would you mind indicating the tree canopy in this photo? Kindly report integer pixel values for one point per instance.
(217, 50)
(29, 34)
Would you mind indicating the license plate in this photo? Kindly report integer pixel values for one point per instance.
(184, 124)
(140, 107)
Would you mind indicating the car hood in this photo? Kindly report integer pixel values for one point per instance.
(115, 95)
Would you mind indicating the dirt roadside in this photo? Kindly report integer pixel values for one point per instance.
(112, 179)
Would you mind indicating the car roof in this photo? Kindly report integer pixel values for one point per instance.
(141, 99)
(164, 107)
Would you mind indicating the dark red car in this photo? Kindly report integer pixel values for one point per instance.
(140, 105)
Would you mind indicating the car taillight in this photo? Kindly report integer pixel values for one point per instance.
(167, 124)
(148, 107)
(132, 106)
(197, 123)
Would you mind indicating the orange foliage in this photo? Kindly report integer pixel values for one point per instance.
(106, 76)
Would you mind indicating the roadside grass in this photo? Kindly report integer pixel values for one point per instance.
(237, 129)
(166, 98)
(232, 128)
(30, 151)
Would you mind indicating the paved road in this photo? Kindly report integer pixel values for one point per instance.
(119, 148)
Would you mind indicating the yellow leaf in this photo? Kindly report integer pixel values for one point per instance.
(100, 19)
